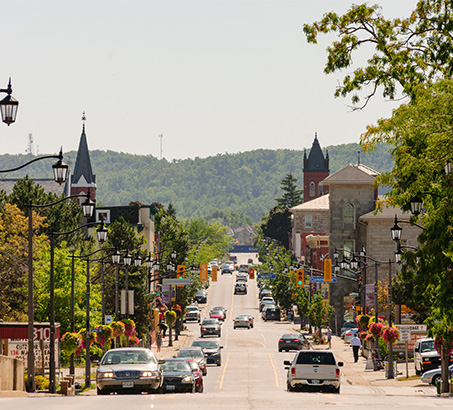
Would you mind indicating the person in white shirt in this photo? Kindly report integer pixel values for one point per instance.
(356, 345)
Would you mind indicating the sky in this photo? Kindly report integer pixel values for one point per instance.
(210, 76)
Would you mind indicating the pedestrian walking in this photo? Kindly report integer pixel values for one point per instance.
(159, 341)
(356, 344)
(329, 337)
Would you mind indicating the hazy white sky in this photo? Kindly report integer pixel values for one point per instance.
(212, 76)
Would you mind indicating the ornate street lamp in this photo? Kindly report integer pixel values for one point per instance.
(138, 261)
(396, 231)
(60, 169)
(8, 106)
(416, 205)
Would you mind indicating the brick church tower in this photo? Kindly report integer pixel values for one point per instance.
(83, 178)
(316, 168)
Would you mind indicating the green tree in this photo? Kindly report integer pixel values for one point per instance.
(302, 302)
(319, 312)
(407, 51)
(291, 195)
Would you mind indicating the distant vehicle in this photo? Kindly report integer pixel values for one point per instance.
(250, 318)
(227, 269)
(241, 277)
(192, 313)
(293, 341)
(240, 289)
(250, 261)
(217, 314)
(201, 296)
(178, 376)
(129, 369)
(244, 268)
(197, 374)
(264, 292)
(211, 349)
(426, 356)
(271, 312)
(264, 303)
(196, 353)
(314, 370)
(350, 334)
(347, 326)
(241, 321)
(432, 376)
(220, 308)
(210, 327)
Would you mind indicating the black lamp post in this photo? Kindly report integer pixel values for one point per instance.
(101, 236)
(8, 106)
(127, 260)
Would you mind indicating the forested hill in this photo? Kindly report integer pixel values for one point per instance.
(245, 183)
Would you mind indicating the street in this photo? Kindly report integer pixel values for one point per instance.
(252, 375)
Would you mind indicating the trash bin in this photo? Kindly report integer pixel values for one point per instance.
(438, 381)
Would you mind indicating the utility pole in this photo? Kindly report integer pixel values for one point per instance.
(161, 136)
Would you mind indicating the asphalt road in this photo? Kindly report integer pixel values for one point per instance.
(252, 375)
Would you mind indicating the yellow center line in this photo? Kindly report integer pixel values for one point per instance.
(224, 370)
(275, 370)
(172, 396)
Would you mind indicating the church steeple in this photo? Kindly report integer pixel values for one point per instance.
(83, 178)
(315, 169)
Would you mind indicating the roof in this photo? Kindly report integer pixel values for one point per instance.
(316, 160)
(82, 166)
(48, 184)
(388, 213)
(321, 203)
(352, 174)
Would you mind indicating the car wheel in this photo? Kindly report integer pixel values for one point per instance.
(288, 386)
(219, 363)
(205, 372)
(435, 379)
(279, 350)
(200, 390)
(336, 390)
(101, 392)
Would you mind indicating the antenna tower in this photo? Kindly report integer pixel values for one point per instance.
(161, 136)
(30, 148)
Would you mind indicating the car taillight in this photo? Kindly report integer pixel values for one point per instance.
(337, 372)
(280, 340)
(296, 340)
(293, 371)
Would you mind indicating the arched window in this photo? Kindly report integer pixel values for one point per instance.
(312, 189)
(348, 217)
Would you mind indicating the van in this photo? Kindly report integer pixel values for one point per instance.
(426, 356)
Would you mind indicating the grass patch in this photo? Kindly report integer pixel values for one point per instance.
(403, 379)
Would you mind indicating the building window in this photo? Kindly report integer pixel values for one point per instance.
(312, 189)
(348, 217)
(308, 222)
(348, 247)
(103, 215)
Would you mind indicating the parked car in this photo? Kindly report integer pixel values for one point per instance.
(195, 353)
(192, 313)
(129, 369)
(264, 292)
(197, 374)
(346, 326)
(270, 312)
(249, 261)
(217, 314)
(264, 303)
(432, 376)
(210, 327)
(349, 334)
(211, 349)
(293, 341)
(241, 321)
(426, 356)
(201, 296)
(314, 370)
(178, 376)
(240, 289)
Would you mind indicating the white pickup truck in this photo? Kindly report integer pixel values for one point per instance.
(314, 370)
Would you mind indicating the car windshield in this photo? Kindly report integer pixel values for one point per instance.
(176, 366)
(138, 356)
(427, 346)
(315, 358)
(205, 344)
(201, 292)
(190, 353)
(191, 308)
(210, 322)
(218, 308)
(292, 336)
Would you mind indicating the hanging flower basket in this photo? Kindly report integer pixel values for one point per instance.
(369, 338)
(71, 342)
(170, 317)
(362, 322)
(117, 328)
(363, 335)
(105, 335)
(376, 329)
(129, 327)
(133, 340)
(438, 343)
(391, 334)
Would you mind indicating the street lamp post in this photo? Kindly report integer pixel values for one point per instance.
(127, 262)
(8, 106)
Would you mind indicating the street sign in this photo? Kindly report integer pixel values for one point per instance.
(96, 330)
(267, 276)
(203, 272)
(412, 328)
(108, 319)
(176, 281)
(320, 279)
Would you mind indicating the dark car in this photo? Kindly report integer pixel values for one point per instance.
(240, 289)
(210, 327)
(195, 353)
(211, 350)
(265, 303)
(130, 369)
(201, 296)
(293, 341)
(178, 376)
(270, 313)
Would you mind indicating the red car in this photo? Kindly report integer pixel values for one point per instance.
(197, 374)
(217, 314)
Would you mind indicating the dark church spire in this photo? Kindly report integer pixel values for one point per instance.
(83, 173)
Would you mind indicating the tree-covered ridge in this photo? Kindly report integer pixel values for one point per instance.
(245, 183)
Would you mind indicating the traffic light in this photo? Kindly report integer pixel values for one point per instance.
(251, 274)
(359, 278)
(300, 278)
(180, 272)
(327, 270)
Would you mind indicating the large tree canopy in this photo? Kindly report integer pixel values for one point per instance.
(406, 51)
